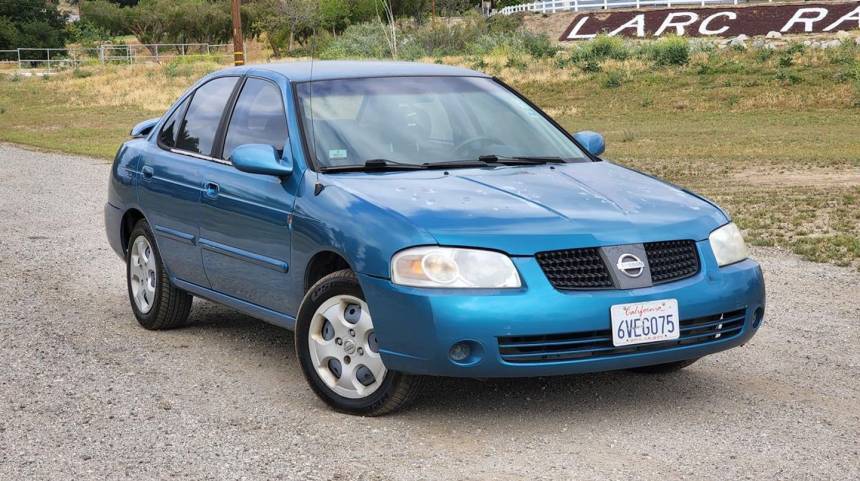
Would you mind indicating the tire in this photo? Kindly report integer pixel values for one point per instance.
(156, 302)
(664, 368)
(344, 351)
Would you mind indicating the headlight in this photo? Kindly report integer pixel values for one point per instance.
(728, 245)
(432, 266)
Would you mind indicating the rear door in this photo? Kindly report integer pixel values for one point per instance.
(245, 232)
(172, 175)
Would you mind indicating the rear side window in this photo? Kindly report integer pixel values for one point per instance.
(258, 118)
(167, 136)
(203, 116)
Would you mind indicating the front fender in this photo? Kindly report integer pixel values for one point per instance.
(365, 234)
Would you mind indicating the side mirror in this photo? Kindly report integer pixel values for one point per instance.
(261, 159)
(592, 141)
(142, 129)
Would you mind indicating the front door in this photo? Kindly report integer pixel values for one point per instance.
(172, 174)
(245, 232)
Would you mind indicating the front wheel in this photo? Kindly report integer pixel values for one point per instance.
(339, 354)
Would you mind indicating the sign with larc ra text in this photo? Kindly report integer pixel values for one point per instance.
(719, 22)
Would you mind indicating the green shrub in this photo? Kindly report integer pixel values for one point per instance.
(364, 40)
(669, 51)
(613, 79)
(601, 47)
(439, 38)
(848, 74)
(539, 45)
(590, 66)
(847, 53)
(795, 48)
(789, 77)
(785, 60)
(504, 23)
(177, 68)
(516, 62)
(763, 54)
(79, 73)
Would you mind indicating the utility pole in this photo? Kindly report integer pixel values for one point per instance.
(238, 46)
(433, 9)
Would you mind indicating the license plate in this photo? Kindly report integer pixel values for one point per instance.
(642, 322)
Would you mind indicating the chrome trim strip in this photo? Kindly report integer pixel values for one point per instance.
(246, 256)
(175, 235)
(200, 156)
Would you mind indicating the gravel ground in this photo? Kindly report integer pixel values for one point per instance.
(87, 394)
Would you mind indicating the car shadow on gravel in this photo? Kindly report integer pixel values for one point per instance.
(695, 388)
(563, 397)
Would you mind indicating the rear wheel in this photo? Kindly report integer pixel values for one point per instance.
(664, 368)
(156, 302)
(339, 354)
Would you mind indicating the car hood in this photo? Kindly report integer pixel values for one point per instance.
(522, 210)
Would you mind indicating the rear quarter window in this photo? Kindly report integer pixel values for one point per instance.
(167, 135)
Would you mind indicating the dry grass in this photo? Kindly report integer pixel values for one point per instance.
(775, 140)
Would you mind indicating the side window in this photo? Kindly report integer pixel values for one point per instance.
(203, 116)
(258, 117)
(167, 136)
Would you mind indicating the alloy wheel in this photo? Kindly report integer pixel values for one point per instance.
(142, 270)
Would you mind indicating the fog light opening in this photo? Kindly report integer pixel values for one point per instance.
(758, 317)
(466, 353)
(460, 352)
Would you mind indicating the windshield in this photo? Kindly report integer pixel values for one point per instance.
(424, 121)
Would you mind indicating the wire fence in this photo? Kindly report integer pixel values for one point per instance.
(554, 6)
(53, 59)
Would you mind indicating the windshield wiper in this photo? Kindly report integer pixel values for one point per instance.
(520, 159)
(455, 163)
(374, 164)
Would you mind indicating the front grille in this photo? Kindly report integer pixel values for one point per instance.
(575, 269)
(672, 260)
(598, 344)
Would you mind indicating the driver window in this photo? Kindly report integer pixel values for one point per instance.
(258, 118)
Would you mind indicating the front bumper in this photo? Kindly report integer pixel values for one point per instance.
(417, 327)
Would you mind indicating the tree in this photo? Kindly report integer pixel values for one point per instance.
(334, 15)
(285, 22)
(105, 15)
(164, 21)
(31, 23)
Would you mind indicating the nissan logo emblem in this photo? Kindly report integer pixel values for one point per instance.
(630, 265)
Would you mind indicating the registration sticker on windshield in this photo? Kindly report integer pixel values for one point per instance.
(337, 154)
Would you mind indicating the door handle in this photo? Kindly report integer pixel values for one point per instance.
(147, 172)
(211, 190)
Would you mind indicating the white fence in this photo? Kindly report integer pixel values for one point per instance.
(50, 59)
(553, 6)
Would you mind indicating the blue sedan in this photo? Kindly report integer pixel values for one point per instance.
(409, 220)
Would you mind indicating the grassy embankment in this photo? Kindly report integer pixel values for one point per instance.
(774, 136)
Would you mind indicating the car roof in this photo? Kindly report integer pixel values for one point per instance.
(329, 70)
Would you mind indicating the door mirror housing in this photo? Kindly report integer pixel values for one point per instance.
(592, 141)
(142, 129)
(262, 159)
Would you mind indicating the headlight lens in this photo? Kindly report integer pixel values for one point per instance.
(433, 266)
(728, 245)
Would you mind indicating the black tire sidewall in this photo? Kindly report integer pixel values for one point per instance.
(340, 283)
(148, 319)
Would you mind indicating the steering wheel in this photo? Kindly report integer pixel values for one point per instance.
(480, 139)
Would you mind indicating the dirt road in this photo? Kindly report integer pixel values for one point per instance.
(87, 394)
